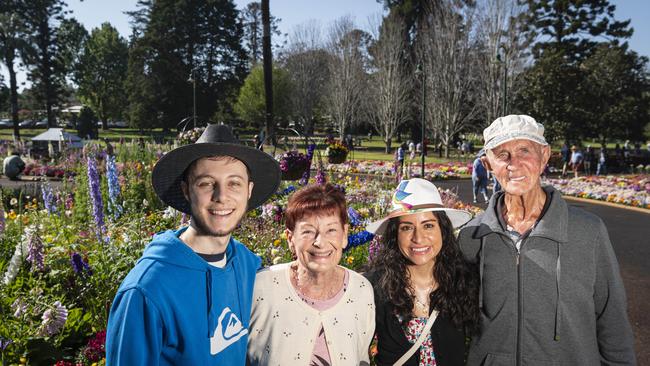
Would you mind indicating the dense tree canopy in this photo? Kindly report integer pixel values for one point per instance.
(250, 103)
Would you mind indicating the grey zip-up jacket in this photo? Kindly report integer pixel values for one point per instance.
(560, 300)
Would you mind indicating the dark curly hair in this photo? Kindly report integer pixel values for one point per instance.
(457, 294)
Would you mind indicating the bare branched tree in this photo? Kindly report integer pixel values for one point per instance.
(389, 101)
(445, 54)
(307, 63)
(500, 54)
(347, 46)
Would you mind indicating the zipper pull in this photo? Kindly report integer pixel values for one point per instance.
(517, 258)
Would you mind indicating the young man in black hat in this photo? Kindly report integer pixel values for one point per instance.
(188, 299)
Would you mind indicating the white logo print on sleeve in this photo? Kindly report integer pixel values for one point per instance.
(227, 334)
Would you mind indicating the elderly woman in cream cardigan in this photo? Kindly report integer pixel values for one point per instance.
(312, 311)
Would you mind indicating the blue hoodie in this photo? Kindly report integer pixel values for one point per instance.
(174, 308)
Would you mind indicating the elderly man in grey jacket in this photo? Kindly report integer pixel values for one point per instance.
(551, 292)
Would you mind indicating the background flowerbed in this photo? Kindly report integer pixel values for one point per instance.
(64, 252)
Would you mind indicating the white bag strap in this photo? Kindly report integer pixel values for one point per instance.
(419, 341)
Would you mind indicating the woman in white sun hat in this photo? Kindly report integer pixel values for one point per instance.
(426, 295)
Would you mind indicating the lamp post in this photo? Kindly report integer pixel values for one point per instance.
(420, 71)
(192, 80)
(504, 61)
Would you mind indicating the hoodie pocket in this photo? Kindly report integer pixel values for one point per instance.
(499, 359)
(527, 361)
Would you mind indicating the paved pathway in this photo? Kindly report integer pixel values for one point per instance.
(629, 232)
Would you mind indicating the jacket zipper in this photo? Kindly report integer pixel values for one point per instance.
(519, 304)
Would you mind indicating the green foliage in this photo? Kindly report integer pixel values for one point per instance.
(87, 123)
(572, 26)
(175, 37)
(251, 103)
(100, 72)
(617, 86)
(551, 92)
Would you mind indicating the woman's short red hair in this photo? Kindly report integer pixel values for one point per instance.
(315, 199)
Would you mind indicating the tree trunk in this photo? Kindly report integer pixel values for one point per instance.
(268, 68)
(13, 86)
(388, 143)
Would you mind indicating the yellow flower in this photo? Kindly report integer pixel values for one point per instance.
(350, 260)
(283, 235)
(11, 215)
(277, 242)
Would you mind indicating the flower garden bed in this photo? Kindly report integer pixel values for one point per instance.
(629, 190)
(64, 253)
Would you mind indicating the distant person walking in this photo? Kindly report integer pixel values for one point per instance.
(565, 155)
(602, 162)
(576, 160)
(479, 177)
(590, 158)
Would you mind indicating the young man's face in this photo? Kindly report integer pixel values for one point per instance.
(218, 190)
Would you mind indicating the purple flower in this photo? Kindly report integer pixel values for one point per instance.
(53, 319)
(49, 200)
(354, 217)
(320, 176)
(310, 154)
(80, 266)
(35, 249)
(2, 218)
(373, 248)
(19, 307)
(4, 343)
(96, 195)
(112, 176)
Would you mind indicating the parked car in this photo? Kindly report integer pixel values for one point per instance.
(118, 124)
(6, 123)
(41, 124)
(27, 124)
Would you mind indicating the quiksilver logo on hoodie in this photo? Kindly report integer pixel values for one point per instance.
(229, 330)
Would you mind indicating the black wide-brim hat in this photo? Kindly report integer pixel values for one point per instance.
(216, 140)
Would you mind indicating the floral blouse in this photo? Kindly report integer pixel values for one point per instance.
(412, 331)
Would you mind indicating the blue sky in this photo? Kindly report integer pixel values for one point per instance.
(92, 13)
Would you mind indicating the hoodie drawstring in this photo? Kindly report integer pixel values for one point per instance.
(556, 336)
(480, 274)
(208, 288)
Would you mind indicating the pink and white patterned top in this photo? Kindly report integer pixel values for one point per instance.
(412, 330)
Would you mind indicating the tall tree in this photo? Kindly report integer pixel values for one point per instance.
(617, 85)
(306, 61)
(100, 73)
(572, 25)
(251, 103)
(177, 38)
(12, 43)
(348, 57)
(446, 56)
(389, 102)
(251, 19)
(47, 73)
(551, 92)
(501, 51)
(71, 37)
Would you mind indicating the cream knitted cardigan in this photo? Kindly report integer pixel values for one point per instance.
(283, 327)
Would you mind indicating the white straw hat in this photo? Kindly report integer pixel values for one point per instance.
(417, 195)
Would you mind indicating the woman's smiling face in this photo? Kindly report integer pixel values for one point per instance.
(318, 241)
(419, 237)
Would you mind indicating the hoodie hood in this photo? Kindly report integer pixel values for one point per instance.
(167, 247)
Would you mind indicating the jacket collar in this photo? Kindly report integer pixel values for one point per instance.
(553, 225)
